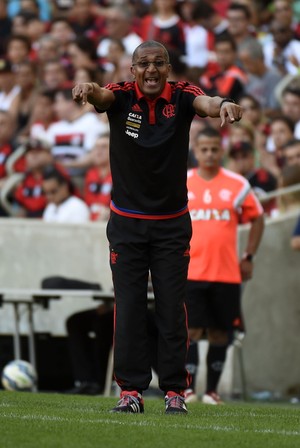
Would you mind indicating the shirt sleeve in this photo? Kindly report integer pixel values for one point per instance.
(251, 208)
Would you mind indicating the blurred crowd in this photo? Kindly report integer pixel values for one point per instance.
(53, 150)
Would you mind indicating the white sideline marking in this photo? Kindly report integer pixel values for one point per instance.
(142, 423)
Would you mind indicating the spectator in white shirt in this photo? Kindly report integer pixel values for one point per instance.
(74, 134)
(63, 205)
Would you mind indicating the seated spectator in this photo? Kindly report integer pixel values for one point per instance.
(228, 80)
(61, 30)
(295, 239)
(48, 50)
(289, 176)
(282, 51)
(281, 131)
(197, 126)
(18, 49)
(42, 115)
(28, 197)
(82, 54)
(74, 134)
(253, 114)
(197, 40)
(207, 16)
(252, 110)
(36, 28)
(7, 126)
(119, 25)
(283, 13)
(164, 25)
(26, 78)
(290, 104)
(62, 204)
(53, 75)
(242, 157)
(83, 20)
(116, 51)
(261, 80)
(98, 181)
(291, 152)
(9, 90)
(242, 131)
(239, 24)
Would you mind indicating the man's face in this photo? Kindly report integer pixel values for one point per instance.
(281, 133)
(225, 54)
(243, 163)
(292, 154)
(55, 192)
(151, 78)
(208, 152)
(62, 106)
(100, 152)
(291, 106)
(237, 22)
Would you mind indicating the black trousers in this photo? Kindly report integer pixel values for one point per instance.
(138, 246)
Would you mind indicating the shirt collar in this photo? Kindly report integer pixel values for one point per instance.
(165, 94)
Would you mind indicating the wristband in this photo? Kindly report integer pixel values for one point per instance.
(248, 257)
(226, 100)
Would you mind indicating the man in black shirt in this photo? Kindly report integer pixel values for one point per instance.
(149, 228)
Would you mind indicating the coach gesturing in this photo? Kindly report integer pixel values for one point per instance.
(149, 229)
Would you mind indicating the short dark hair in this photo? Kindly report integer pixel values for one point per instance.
(209, 131)
(287, 120)
(150, 44)
(203, 10)
(293, 89)
(242, 8)
(52, 172)
(20, 38)
(227, 38)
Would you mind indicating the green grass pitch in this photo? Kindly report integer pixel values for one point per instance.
(40, 420)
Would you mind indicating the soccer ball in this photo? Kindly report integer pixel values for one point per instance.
(19, 375)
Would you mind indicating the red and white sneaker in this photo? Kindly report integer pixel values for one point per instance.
(175, 403)
(131, 402)
(212, 398)
(190, 396)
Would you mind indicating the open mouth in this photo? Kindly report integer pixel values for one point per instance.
(153, 82)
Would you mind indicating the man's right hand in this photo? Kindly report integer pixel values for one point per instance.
(81, 91)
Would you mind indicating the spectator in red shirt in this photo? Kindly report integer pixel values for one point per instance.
(242, 157)
(7, 127)
(228, 80)
(28, 195)
(98, 181)
(164, 25)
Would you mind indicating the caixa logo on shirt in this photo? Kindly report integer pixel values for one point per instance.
(133, 124)
(210, 214)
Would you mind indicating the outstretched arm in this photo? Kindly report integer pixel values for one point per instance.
(215, 106)
(94, 94)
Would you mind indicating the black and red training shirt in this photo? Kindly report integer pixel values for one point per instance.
(149, 141)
